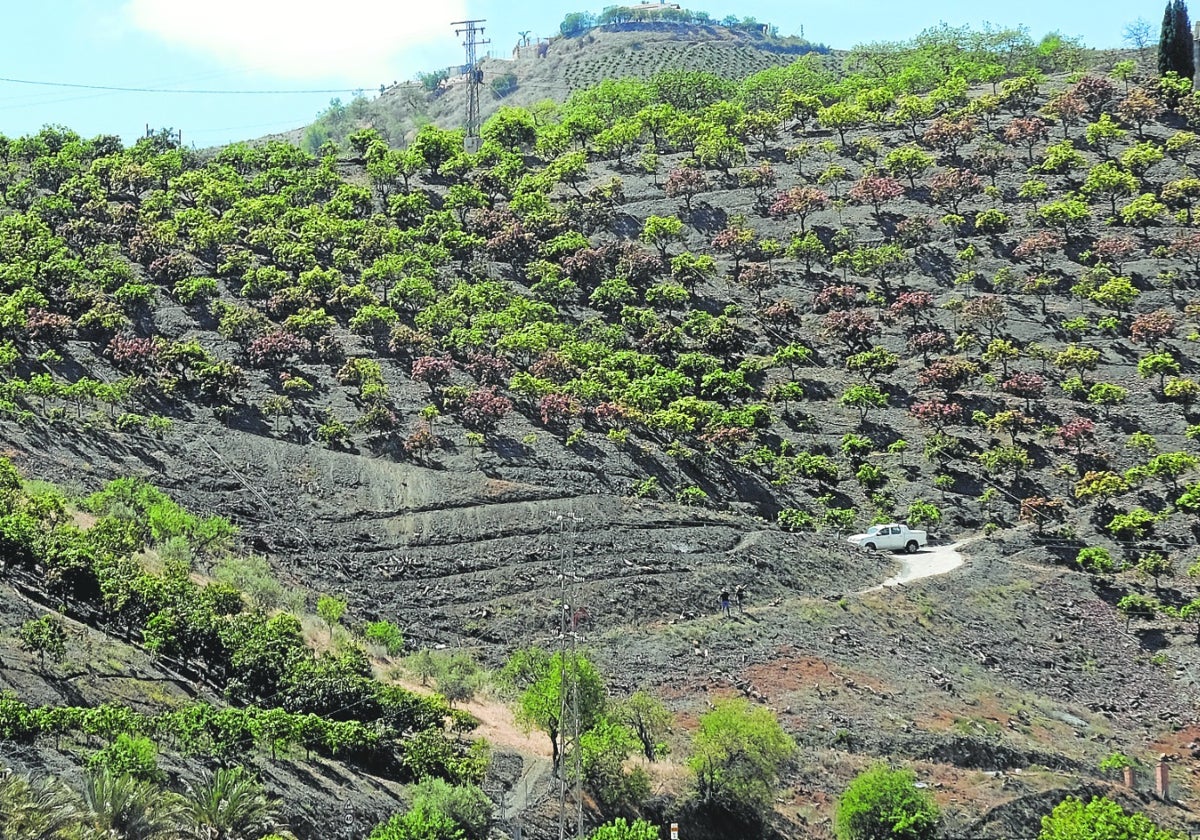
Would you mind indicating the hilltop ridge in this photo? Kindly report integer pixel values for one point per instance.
(553, 69)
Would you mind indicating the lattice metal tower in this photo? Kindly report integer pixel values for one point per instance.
(471, 31)
(570, 791)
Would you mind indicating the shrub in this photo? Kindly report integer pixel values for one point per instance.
(1132, 525)
(44, 636)
(619, 829)
(504, 84)
(883, 803)
(691, 496)
(992, 221)
(333, 432)
(128, 755)
(921, 513)
(794, 519)
(483, 409)
(1095, 559)
(1099, 819)
(604, 749)
(466, 805)
(385, 634)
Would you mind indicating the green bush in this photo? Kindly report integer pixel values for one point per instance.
(466, 805)
(1095, 559)
(385, 634)
(738, 756)
(619, 829)
(604, 749)
(794, 519)
(1132, 525)
(418, 824)
(503, 85)
(921, 513)
(129, 755)
(885, 803)
(1099, 819)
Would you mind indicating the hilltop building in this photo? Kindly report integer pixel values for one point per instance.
(648, 7)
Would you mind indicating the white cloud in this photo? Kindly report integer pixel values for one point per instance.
(358, 41)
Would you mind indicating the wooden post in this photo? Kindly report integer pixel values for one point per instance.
(1162, 781)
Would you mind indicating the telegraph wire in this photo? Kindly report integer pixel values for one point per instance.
(189, 91)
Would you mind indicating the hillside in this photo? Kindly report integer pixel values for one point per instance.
(676, 337)
(553, 70)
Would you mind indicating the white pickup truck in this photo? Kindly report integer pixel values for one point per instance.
(892, 537)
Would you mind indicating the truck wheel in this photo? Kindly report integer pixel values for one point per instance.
(869, 546)
(912, 547)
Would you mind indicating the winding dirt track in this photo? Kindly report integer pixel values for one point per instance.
(926, 563)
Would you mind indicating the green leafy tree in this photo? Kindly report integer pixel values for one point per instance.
(1066, 214)
(1109, 180)
(1155, 565)
(1161, 365)
(842, 117)
(1143, 211)
(884, 803)
(648, 719)
(545, 679)
(909, 162)
(661, 232)
(738, 756)
(1099, 819)
(330, 610)
(45, 636)
(864, 398)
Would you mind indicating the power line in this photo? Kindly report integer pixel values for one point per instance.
(471, 31)
(196, 91)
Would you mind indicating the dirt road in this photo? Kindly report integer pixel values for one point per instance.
(928, 562)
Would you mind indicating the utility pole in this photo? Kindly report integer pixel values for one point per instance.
(471, 32)
(568, 654)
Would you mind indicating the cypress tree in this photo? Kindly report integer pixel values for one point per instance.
(1185, 60)
(1175, 43)
(1166, 41)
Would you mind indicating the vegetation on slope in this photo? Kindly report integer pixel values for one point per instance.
(285, 697)
(776, 292)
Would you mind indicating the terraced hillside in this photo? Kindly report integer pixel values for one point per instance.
(675, 337)
(567, 65)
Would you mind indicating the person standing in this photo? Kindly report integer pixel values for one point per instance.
(739, 592)
(725, 601)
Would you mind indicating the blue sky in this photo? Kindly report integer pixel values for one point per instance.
(358, 44)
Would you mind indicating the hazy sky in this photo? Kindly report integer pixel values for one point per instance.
(358, 44)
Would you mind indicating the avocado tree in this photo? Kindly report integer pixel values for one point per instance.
(885, 803)
(1099, 819)
(738, 756)
(545, 681)
(44, 636)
